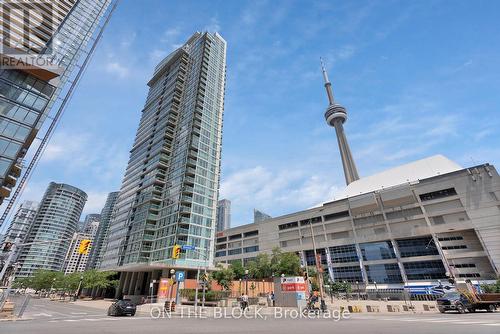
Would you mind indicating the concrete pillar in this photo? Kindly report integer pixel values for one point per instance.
(133, 279)
(126, 284)
(119, 289)
(139, 283)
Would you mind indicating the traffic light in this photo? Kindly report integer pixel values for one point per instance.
(176, 252)
(7, 246)
(84, 246)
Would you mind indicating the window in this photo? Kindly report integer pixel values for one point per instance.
(337, 215)
(350, 274)
(425, 270)
(234, 251)
(464, 265)
(235, 236)
(438, 194)
(384, 273)
(343, 254)
(417, 247)
(251, 249)
(220, 253)
(310, 258)
(222, 239)
(313, 220)
(469, 275)
(251, 233)
(454, 247)
(377, 251)
(451, 238)
(288, 225)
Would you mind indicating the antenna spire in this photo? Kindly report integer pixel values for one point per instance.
(328, 84)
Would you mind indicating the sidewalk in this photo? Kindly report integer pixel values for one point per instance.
(365, 306)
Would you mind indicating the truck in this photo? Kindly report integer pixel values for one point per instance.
(468, 299)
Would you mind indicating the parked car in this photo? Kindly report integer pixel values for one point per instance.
(122, 307)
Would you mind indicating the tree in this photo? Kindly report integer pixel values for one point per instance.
(491, 288)
(337, 287)
(70, 282)
(98, 279)
(287, 263)
(260, 267)
(239, 271)
(224, 277)
(22, 283)
(45, 279)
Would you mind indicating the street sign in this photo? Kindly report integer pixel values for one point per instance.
(180, 276)
(187, 247)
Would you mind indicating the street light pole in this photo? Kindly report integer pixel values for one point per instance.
(319, 276)
(246, 282)
(172, 273)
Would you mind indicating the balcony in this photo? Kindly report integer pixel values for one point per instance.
(182, 230)
(15, 170)
(185, 209)
(186, 199)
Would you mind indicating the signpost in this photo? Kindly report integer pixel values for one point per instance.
(179, 277)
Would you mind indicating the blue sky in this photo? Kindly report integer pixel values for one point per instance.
(417, 78)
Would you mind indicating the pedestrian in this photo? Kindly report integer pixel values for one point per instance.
(244, 302)
(273, 299)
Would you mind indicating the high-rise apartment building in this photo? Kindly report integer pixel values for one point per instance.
(41, 43)
(170, 189)
(101, 235)
(22, 221)
(74, 261)
(90, 218)
(52, 231)
(223, 215)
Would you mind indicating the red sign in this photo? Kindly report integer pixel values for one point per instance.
(293, 284)
(163, 288)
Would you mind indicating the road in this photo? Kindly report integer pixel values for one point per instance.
(63, 318)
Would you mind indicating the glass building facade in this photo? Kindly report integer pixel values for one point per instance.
(223, 215)
(170, 189)
(22, 221)
(28, 93)
(102, 232)
(54, 225)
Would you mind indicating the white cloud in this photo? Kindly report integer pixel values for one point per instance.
(213, 26)
(114, 67)
(169, 35)
(275, 192)
(95, 202)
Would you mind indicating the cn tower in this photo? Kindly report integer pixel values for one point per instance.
(335, 116)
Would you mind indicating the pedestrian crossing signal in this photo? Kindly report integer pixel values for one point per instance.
(84, 246)
(176, 252)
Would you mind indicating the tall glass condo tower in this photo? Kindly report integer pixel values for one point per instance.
(170, 189)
